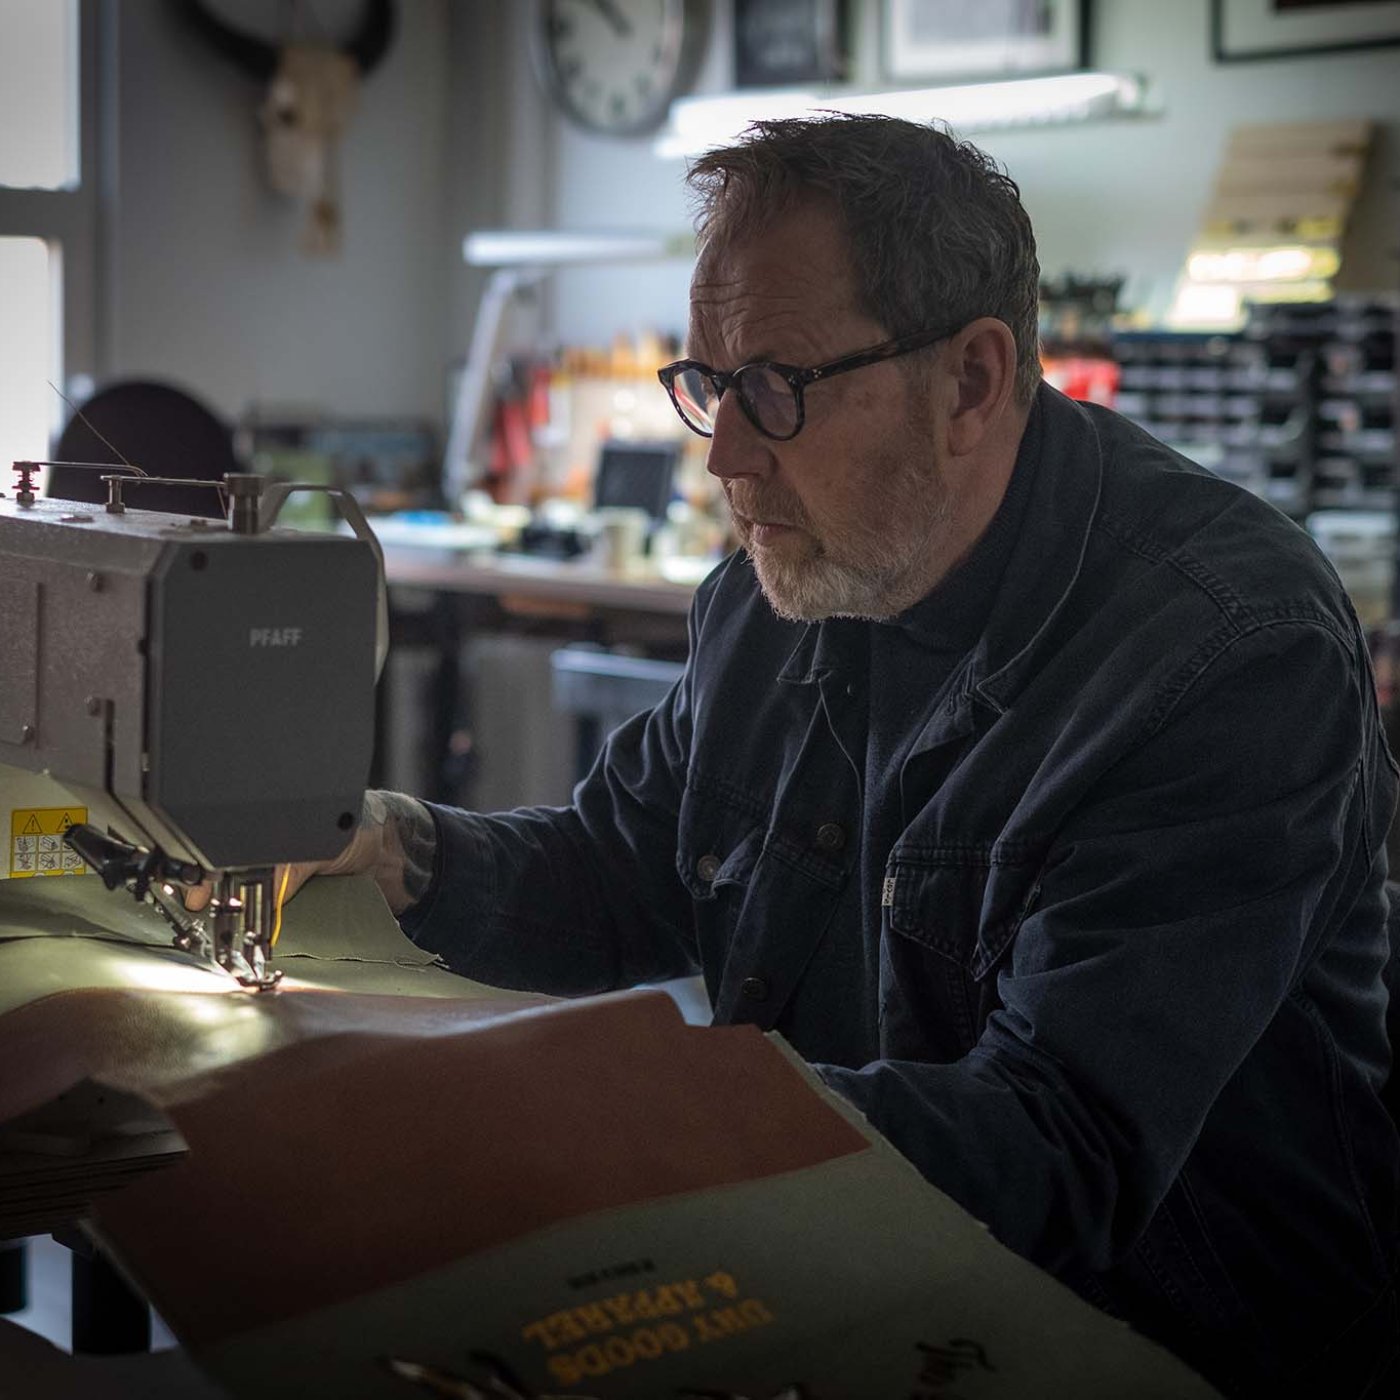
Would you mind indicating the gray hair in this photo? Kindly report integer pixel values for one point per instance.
(936, 229)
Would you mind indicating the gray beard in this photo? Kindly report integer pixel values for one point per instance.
(880, 576)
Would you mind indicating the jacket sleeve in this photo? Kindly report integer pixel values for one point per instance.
(579, 899)
(1177, 908)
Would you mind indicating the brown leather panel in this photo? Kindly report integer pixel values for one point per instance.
(335, 1168)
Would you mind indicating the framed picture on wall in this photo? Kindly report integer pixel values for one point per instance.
(1243, 30)
(948, 41)
(789, 41)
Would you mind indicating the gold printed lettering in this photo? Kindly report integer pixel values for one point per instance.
(728, 1321)
(721, 1322)
(647, 1343)
(668, 1301)
(619, 1351)
(541, 1332)
(591, 1361)
(704, 1329)
(755, 1312)
(568, 1327)
(673, 1336)
(593, 1318)
(723, 1284)
(620, 1306)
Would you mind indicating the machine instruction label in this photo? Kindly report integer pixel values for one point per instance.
(36, 841)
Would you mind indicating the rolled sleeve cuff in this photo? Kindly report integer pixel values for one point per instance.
(461, 894)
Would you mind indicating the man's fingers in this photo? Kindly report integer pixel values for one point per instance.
(198, 896)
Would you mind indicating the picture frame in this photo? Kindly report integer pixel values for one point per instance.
(780, 42)
(1244, 31)
(949, 41)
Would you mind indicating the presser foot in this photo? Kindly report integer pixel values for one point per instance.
(256, 975)
(243, 915)
(241, 909)
(266, 982)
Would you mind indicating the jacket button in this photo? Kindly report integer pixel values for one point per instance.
(830, 837)
(707, 867)
(754, 989)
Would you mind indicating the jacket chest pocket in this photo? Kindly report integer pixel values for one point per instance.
(950, 916)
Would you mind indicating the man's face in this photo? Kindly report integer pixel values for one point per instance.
(847, 518)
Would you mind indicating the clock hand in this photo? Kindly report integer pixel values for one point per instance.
(622, 26)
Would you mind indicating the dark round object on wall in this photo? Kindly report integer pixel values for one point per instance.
(161, 429)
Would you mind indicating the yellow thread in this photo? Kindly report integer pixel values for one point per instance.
(277, 908)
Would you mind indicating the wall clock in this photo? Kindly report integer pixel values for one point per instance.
(614, 66)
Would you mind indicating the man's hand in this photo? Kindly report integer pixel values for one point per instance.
(395, 842)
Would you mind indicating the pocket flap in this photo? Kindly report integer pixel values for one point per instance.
(725, 859)
(964, 903)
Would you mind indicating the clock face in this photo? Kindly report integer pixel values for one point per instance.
(614, 65)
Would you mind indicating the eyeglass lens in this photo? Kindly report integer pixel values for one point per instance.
(769, 399)
(697, 399)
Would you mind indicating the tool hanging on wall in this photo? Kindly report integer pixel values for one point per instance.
(311, 95)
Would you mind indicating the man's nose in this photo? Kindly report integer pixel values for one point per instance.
(737, 448)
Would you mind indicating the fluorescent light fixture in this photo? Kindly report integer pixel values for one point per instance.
(1218, 282)
(698, 123)
(566, 247)
(1285, 263)
(1206, 306)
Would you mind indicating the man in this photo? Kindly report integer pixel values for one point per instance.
(1025, 777)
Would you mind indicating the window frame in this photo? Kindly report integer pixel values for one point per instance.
(69, 220)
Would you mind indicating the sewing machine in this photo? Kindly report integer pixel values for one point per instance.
(184, 699)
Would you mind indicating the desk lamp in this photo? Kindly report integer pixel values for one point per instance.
(521, 260)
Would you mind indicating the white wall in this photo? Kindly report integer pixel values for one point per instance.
(1113, 196)
(501, 150)
(1129, 195)
(205, 283)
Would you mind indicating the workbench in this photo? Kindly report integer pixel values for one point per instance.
(439, 599)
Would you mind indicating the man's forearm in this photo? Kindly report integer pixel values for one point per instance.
(402, 841)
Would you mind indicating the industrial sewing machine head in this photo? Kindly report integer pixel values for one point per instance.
(184, 699)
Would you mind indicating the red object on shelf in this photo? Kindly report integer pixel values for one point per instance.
(1089, 378)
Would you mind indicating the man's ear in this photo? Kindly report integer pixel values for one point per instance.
(981, 360)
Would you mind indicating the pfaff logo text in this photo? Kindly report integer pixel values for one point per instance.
(274, 636)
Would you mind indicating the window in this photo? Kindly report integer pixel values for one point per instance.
(47, 203)
(29, 349)
(38, 94)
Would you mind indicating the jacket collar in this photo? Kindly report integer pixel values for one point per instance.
(1066, 476)
(1066, 483)
(817, 654)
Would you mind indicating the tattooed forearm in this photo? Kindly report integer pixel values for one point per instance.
(405, 846)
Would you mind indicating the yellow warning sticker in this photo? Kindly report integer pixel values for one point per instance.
(36, 841)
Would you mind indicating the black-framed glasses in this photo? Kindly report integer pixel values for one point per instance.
(770, 393)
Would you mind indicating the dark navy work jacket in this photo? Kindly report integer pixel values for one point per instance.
(1123, 997)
